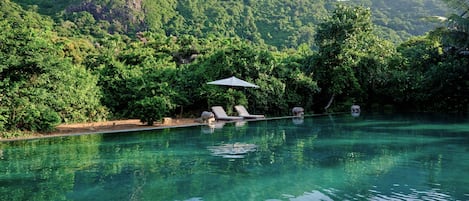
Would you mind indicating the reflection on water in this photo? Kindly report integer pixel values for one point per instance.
(236, 150)
(298, 120)
(431, 194)
(375, 157)
(210, 128)
(307, 196)
(240, 123)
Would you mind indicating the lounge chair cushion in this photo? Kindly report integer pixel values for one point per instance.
(242, 112)
(220, 114)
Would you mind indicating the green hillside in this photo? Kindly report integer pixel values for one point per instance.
(97, 60)
(281, 23)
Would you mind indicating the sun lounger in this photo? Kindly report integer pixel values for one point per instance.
(220, 114)
(242, 112)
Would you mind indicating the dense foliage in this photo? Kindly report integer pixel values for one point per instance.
(350, 56)
(280, 23)
(77, 66)
(40, 85)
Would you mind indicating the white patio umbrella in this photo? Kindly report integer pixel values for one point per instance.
(233, 81)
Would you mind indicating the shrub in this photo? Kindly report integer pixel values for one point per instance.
(151, 109)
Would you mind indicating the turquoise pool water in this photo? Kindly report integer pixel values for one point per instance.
(372, 157)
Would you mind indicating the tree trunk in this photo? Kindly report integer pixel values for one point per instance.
(330, 102)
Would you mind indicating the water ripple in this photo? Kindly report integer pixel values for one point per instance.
(431, 194)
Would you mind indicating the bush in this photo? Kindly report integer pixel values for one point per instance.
(3, 119)
(38, 118)
(151, 109)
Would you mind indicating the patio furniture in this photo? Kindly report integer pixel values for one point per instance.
(220, 114)
(242, 112)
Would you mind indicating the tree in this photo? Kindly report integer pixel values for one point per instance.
(457, 36)
(40, 87)
(137, 80)
(300, 88)
(340, 39)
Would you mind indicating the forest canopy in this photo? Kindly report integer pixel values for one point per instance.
(76, 61)
(279, 23)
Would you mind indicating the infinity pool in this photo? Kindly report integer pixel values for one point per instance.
(372, 157)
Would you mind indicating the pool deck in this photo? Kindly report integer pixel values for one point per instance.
(137, 128)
